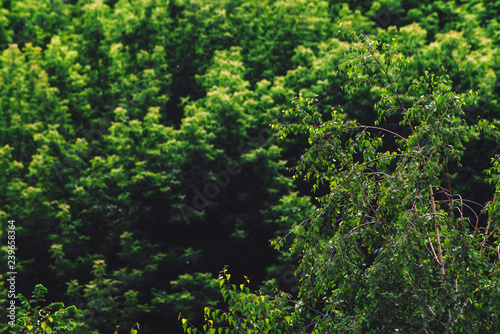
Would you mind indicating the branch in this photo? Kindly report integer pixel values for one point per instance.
(377, 128)
(391, 83)
(440, 251)
(487, 227)
(433, 253)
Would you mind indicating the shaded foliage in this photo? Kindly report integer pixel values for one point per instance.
(136, 151)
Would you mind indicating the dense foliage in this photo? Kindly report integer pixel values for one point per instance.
(138, 162)
(392, 246)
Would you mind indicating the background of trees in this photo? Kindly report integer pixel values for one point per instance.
(116, 115)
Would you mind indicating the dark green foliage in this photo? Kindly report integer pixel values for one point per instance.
(390, 248)
(138, 161)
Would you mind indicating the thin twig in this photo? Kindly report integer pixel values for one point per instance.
(488, 226)
(438, 241)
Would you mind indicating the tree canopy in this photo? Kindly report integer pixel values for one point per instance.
(138, 162)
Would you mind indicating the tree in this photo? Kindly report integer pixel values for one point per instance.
(392, 246)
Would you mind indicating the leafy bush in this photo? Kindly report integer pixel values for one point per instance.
(32, 317)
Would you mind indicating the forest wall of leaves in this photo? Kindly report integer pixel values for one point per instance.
(136, 153)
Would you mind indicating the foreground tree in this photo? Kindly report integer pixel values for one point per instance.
(392, 247)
